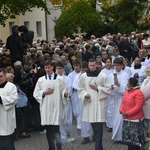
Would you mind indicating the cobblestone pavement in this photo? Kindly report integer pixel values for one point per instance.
(38, 142)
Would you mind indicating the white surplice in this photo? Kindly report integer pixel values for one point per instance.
(52, 106)
(66, 128)
(9, 98)
(86, 128)
(116, 99)
(141, 73)
(76, 107)
(109, 111)
(94, 110)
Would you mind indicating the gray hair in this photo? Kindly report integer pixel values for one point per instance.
(18, 63)
(9, 75)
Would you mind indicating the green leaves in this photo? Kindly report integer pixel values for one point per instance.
(80, 14)
(11, 8)
(125, 14)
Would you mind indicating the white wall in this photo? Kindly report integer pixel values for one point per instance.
(32, 17)
(55, 13)
(5, 31)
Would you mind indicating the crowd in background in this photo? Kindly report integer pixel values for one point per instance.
(133, 51)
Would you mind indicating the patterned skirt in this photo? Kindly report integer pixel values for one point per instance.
(133, 133)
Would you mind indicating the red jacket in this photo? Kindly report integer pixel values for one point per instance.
(132, 104)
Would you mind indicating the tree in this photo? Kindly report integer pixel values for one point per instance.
(9, 9)
(56, 2)
(69, 3)
(126, 15)
(80, 14)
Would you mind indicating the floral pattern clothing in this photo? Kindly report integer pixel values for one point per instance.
(133, 133)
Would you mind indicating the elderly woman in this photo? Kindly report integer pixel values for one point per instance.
(132, 112)
(10, 77)
(55, 56)
(145, 87)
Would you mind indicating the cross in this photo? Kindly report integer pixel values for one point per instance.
(79, 33)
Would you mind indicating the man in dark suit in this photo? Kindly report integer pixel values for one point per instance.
(16, 46)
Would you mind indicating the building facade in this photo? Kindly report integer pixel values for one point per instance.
(38, 21)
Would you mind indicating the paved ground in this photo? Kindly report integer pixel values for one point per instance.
(38, 142)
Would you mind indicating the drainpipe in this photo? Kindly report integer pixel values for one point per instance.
(46, 29)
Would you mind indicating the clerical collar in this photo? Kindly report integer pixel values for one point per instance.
(53, 76)
(3, 84)
(137, 66)
(92, 73)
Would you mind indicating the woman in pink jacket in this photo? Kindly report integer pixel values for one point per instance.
(131, 109)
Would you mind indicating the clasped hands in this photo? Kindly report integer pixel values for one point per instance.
(94, 86)
(123, 113)
(48, 91)
(136, 75)
(51, 91)
(66, 94)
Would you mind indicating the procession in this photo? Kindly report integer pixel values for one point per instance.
(75, 75)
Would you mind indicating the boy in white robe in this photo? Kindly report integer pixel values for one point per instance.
(8, 100)
(51, 92)
(74, 96)
(66, 128)
(93, 90)
(118, 79)
(86, 128)
(108, 70)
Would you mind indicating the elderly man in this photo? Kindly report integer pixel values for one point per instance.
(8, 100)
(93, 90)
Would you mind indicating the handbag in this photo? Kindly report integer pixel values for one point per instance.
(22, 99)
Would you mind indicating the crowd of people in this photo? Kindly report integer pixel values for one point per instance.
(95, 81)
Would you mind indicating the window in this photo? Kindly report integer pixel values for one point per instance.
(38, 28)
(26, 23)
(11, 24)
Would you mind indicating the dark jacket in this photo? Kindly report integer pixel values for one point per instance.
(16, 46)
